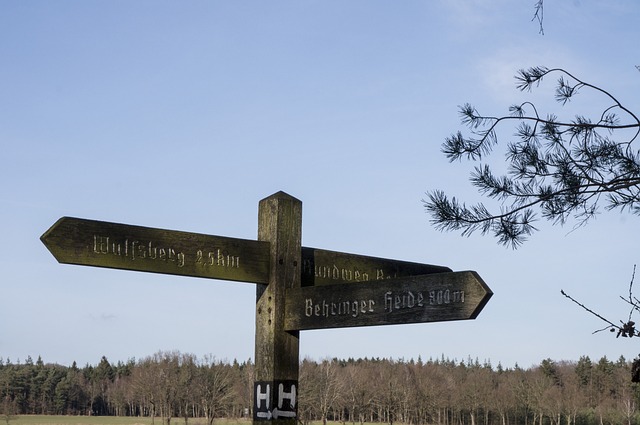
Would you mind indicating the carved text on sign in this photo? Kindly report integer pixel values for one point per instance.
(350, 308)
(342, 274)
(433, 297)
(393, 301)
(408, 299)
(218, 258)
(136, 250)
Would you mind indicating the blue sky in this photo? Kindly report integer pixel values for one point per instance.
(183, 115)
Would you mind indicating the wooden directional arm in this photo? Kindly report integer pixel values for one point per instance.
(414, 299)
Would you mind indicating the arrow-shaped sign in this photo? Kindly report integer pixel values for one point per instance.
(122, 246)
(322, 267)
(414, 299)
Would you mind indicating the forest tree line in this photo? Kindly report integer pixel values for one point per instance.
(171, 385)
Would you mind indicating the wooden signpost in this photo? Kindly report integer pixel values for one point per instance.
(297, 288)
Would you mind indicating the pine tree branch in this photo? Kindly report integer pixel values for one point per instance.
(559, 167)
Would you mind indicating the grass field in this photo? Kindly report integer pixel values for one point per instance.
(109, 420)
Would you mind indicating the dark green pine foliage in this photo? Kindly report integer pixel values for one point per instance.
(556, 168)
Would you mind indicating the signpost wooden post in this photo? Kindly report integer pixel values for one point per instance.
(276, 351)
(297, 288)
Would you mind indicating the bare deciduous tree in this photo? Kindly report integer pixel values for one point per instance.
(214, 384)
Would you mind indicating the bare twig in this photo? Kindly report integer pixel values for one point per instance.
(611, 325)
(625, 329)
(634, 306)
(539, 15)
